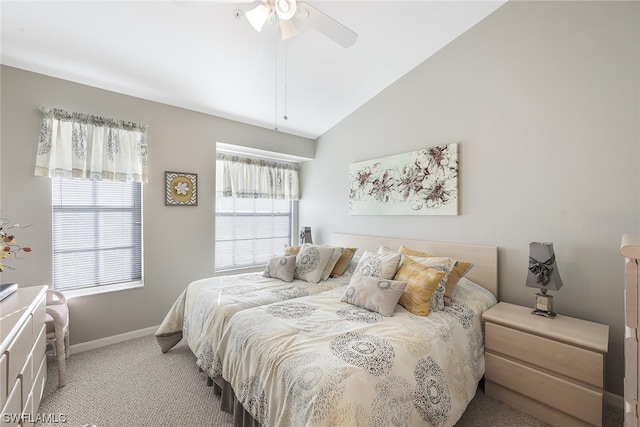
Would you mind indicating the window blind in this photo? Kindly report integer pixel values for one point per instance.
(250, 231)
(97, 233)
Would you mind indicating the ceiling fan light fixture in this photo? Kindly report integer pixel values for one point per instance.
(258, 16)
(285, 9)
(287, 29)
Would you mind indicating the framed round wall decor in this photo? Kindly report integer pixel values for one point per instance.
(181, 189)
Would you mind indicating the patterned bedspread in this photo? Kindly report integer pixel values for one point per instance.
(203, 309)
(315, 361)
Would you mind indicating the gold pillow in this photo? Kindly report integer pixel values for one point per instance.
(422, 282)
(291, 250)
(457, 272)
(343, 262)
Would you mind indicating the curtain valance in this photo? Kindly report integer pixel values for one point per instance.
(76, 145)
(246, 177)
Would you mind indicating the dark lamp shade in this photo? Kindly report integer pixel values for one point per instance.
(305, 235)
(543, 271)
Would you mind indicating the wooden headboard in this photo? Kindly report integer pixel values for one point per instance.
(483, 257)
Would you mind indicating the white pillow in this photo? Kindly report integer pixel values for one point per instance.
(312, 261)
(383, 266)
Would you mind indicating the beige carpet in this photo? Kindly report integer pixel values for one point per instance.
(134, 384)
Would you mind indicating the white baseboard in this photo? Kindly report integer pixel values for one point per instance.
(91, 345)
(614, 400)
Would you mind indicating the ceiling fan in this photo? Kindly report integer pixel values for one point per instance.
(285, 12)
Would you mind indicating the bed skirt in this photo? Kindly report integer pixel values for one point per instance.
(229, 403)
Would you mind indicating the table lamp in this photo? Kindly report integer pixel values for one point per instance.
(305, 235)
(543, 274)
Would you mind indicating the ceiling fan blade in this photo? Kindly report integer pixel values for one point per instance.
(326, 25)
(195, 2)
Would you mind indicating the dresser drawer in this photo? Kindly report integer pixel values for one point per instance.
(573, 362)
(27, 410)
(19, 350)
(13, 406)
(40, 347)
(4, 383)
(580, 402)
(39, 315)
(39, 380)
(26, 377)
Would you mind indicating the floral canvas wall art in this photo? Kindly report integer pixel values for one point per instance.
(423, 182)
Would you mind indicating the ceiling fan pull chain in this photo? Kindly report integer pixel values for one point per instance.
(286, 63)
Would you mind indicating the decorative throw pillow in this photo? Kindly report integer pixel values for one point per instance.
(457, 272)
(443, 264)
(384, 250)
(337, 252)
(374, 293)
(282, 268)
(311, 262)
(377, 265)
(291, 250)
(422, 282)
(343, 262)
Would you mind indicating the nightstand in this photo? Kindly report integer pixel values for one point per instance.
(552, 369)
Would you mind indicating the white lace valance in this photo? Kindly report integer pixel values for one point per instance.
(75, 145)
(246, 177)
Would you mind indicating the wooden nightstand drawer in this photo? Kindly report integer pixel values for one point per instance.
(574, 362)
(580, 402)
(552, 369)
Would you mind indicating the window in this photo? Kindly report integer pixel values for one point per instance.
(250, 231)
(254, 209)
(97, 234)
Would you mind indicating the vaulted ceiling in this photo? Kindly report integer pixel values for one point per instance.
(205, 56)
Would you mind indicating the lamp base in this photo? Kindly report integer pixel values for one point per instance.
(543, 305)
(548, 314)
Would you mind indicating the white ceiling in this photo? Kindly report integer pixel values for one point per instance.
(198, 55)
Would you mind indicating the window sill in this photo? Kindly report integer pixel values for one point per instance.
(241, 270)
(95, 290)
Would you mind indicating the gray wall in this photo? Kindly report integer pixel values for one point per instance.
(543, 99)
(178, 241)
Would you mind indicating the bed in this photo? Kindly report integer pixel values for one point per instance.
(201, 312)
(325, 360)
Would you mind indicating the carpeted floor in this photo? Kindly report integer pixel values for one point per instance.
(134, 384)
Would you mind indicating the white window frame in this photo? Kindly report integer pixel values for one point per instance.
(101, 289)
(257, 153)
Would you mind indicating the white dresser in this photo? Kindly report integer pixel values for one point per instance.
(630, 249)
(23, 366)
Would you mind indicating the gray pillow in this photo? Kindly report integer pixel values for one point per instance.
(312, 261)
(283, 268)
(374, 293)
